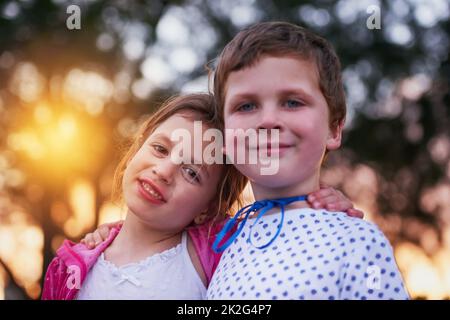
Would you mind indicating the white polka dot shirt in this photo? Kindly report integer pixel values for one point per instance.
(317, 255)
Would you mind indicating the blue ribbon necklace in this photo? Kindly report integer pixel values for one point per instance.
(245, 212)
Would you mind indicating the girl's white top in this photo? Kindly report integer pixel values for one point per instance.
(317, 255)
(166, 275)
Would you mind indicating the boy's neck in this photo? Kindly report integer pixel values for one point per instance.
(262, 192)
(137, 241)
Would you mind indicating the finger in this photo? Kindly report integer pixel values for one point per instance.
(89, 240)
(339, 205)
(355, 213)
(324, 201)
(97, 238)
(103, 232)
(317, 195)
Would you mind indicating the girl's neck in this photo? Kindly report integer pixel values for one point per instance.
(137, 241)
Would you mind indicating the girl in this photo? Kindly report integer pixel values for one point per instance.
(162, 251)
(151, 256)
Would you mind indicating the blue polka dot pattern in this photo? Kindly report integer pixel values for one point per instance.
(321, 255)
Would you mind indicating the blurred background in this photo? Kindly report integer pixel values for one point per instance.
(69, 99)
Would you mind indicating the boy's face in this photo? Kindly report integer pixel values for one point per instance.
(282, 93)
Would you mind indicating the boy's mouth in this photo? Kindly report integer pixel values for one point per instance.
(272, 149)
(150, 191)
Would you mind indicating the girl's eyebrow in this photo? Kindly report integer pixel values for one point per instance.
(162, 136)
(202, 167)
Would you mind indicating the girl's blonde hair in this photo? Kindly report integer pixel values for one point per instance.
(197, 107)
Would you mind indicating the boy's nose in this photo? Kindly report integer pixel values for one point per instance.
(269, 119)
(164, 171)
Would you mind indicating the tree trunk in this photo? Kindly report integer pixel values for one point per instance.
(13, 291)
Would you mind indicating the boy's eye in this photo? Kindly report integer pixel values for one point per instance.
(191, 175)
(160, 149)
(294, 103)
(246, 107)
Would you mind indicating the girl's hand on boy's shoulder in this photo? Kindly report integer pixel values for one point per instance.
(93, 239)
(333, 200)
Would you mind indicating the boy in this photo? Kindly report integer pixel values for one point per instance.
(276, 75)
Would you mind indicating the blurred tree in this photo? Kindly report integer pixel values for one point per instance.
(35, 33)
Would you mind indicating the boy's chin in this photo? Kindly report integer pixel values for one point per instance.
(269, 177)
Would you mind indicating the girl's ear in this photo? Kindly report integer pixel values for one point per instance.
(335, 136)
(201, 218)
(206, 214)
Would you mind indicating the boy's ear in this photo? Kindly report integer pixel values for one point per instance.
(335, 136)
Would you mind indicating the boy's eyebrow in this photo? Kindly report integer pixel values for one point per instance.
(290, 91)
(243, 95)
(295, 91)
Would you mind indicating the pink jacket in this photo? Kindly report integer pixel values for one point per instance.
(68, 270)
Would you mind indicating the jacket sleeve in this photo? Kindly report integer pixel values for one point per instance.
(203, 237)
(54, 282)
(57, 282)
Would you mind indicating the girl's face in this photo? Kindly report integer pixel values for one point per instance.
(165, 195)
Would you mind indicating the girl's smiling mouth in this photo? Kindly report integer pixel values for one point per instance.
(150, 191)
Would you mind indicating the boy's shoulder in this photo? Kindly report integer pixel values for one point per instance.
(357, 225)
(342, 218)
(352, 238)
(359, 234)
(340, 224)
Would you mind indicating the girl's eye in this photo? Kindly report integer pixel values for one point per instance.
(294, 103)
(191, 175)
(160, 149)
(246, 107)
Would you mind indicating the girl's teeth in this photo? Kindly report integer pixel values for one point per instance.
(150, 190)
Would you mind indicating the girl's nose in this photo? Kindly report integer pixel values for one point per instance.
(164, 171)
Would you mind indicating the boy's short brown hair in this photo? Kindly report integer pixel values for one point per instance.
(280, 39)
